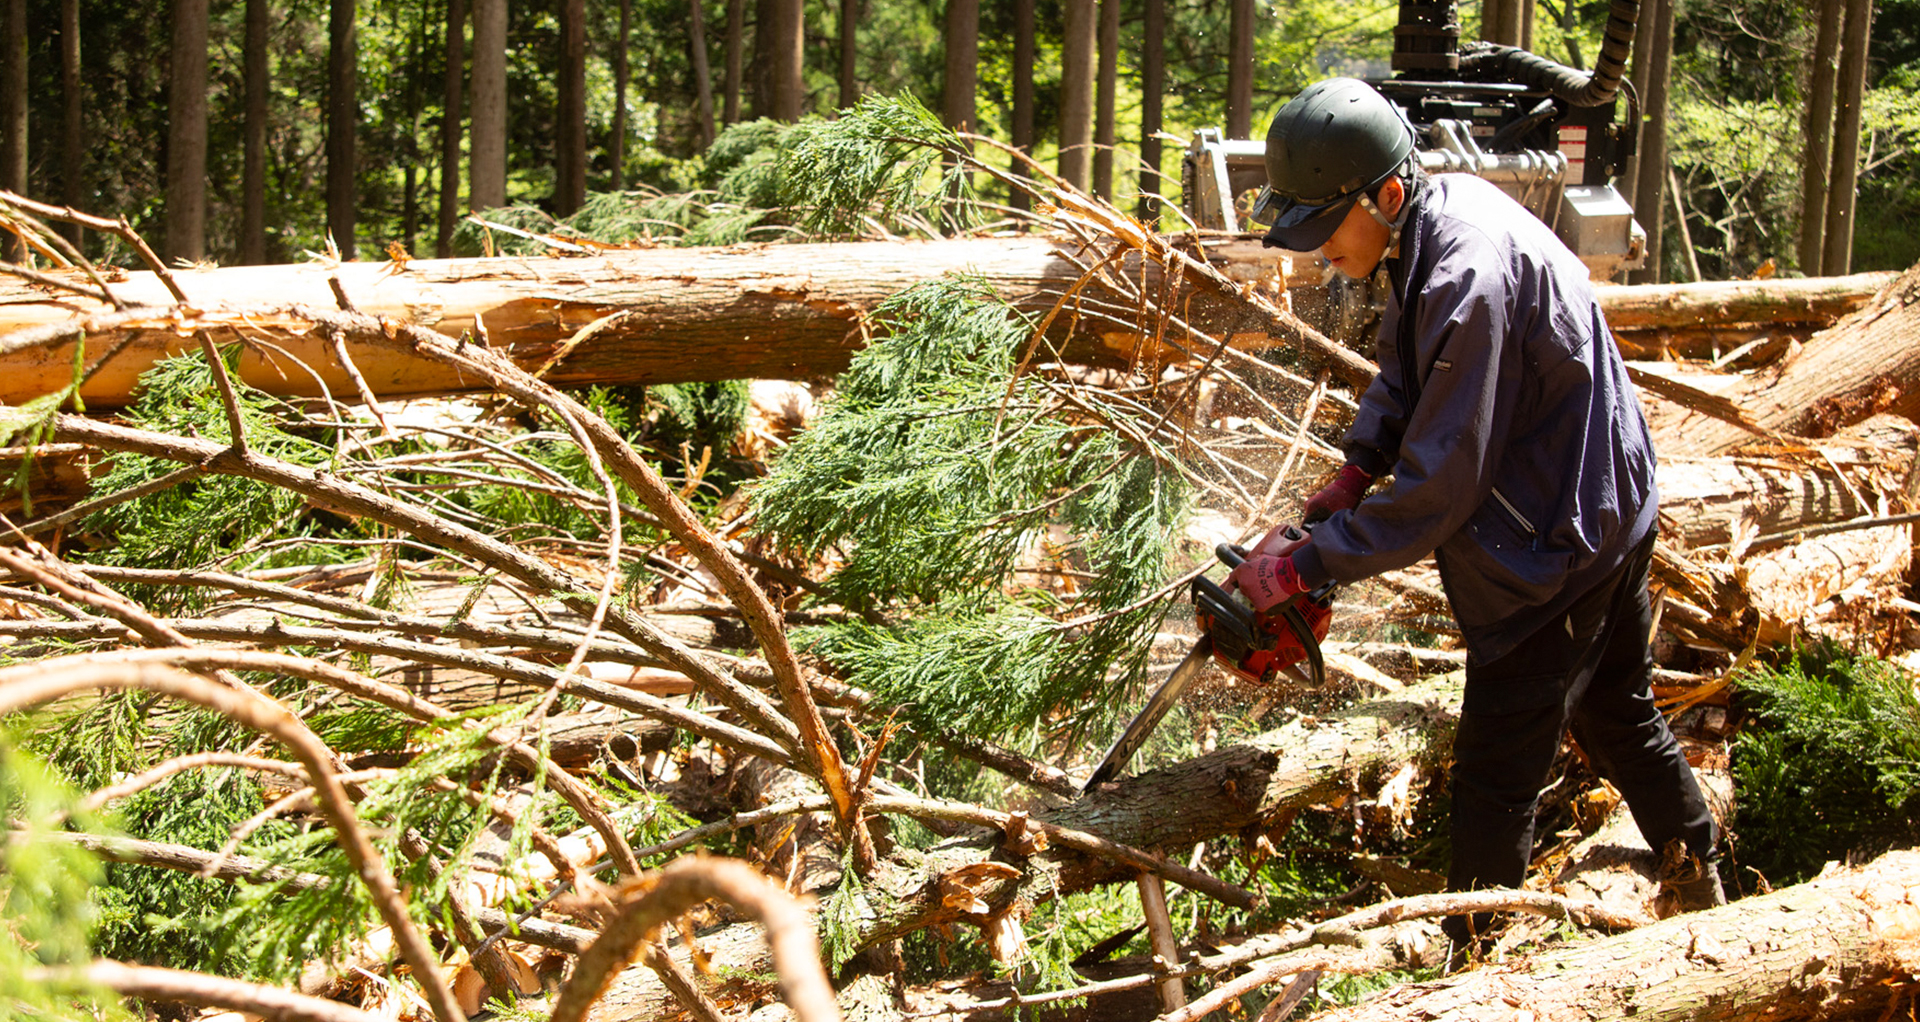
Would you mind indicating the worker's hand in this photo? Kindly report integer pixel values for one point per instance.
(1268, 581)
(1343, 494)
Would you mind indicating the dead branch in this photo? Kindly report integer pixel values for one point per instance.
(200, 989)
(649, 902)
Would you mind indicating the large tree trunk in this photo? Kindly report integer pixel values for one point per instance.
(1838, 256)
(622, 71)
(1816, 159)
(1020, 131)
(1650, 189)
(13, 106)
(1108, 78)
(850, 52)
(187, 134)
(1240, 70)
(777, 312)
(1153, 80)
(702, 76)
(343, 119)
(487, 152)
(253, 185)
(1076, 92)
(73, 128)
(778, 44)
(570, 143)
(961, 78)
(1832, 948)
(452, 99)
(736, 58)
(1865, 364)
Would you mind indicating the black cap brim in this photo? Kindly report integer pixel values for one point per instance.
(1304, 228)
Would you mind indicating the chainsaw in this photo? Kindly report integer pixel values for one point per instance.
(1250, 644)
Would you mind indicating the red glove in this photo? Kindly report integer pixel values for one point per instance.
(1267, 580)
(1343, 494)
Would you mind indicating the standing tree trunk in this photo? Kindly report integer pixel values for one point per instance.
(1076, 92)
(1838, 258)
(1021, 131)
(1109, 83)
(570, 149)
(1153, 80)
(1815, 163)
(487, 152)
(452, 99)
(961, 79)
(343, 110)
(850, 51)
(622, 71)
(73, 130)
(187, 134)
(1649, 191)
(1629, 178)
(253, 183)
(13, 108)
(778, 41)
(702, 76)
(1240, 70)
(736, 39)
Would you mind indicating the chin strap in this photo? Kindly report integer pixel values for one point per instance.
(1393, 226)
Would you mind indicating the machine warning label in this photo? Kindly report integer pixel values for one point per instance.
(1573, 146)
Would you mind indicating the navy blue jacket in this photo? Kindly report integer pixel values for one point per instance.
(1519, 453)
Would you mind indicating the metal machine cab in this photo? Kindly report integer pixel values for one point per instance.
(1545, 134)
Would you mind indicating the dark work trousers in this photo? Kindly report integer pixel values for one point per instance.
(1588, 672)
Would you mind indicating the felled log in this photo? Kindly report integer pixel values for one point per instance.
(644, 316)
(1866, 364)
(1727, 302)
(1838, 947)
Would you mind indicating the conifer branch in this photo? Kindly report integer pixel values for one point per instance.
(35, 683)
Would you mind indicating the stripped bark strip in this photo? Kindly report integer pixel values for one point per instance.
(36, 683)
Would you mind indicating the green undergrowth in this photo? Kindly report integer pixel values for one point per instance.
(1826, 764)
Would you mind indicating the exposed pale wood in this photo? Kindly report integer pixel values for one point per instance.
(1824, 949)
(1863, 365)
(1727, 302)
(749, 311)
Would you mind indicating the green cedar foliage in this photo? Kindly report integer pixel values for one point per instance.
(936, 467)
(193, 523)
(1828, 765)
(45, 909)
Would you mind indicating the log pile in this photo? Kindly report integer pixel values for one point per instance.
(1787, 468)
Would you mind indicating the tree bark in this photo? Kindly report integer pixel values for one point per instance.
(1240, 70)
(1628, 180)
(850, 52)
(1153, 82)
(778, 41)
(1649, 191)
(774, 312)
(1020, 132)
(1841, 197)
(1725, 303)
(702, 76)
(253, 185)
(73, 128)
(187, 134)
(343, 117)
(736, 42)
(622, 71)
(13, 108)
(1863, 365)
(452, 99)
(487, 151)
(960, 81)
(570, 143)
(1105, 98)
(1076, 92)
(1829, 948)
(1816, 161)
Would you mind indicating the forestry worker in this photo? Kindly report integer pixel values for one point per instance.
(1518, 456)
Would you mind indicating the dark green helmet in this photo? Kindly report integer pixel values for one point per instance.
(1335, 140)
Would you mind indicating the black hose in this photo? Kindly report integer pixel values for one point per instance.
(1487, 62)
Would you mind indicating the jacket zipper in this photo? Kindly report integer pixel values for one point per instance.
(1515, 512)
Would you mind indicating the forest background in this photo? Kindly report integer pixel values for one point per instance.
(243, 131)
